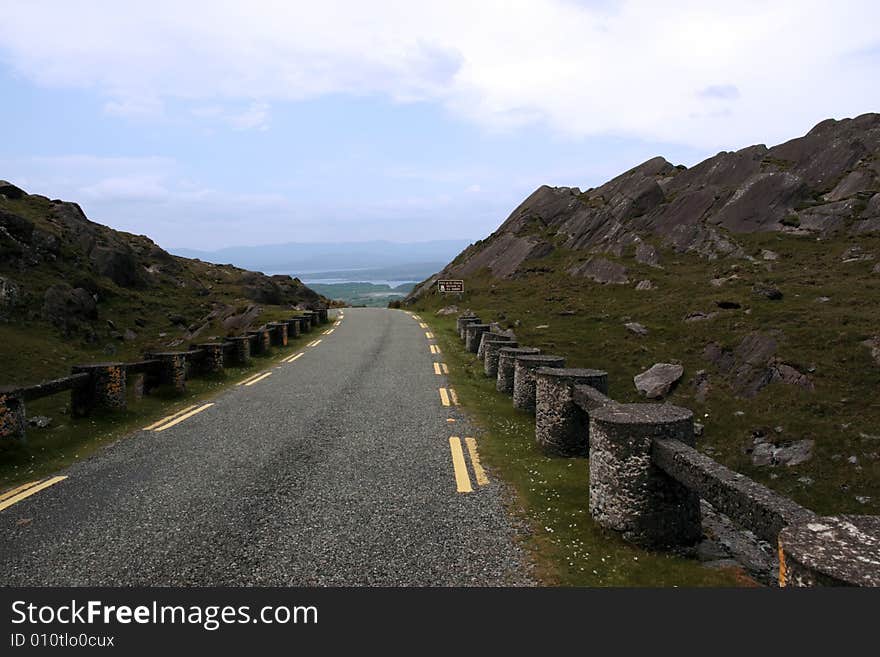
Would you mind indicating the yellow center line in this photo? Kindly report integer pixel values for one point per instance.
(462, 478)
(317, 342)
(15, 491)
(250, 378)
(444, 367)
(329, 332)
(479, 473)
(170, 417)
(30, 491)
(423, 325)
(444, 397)
(294, 357)
(435, 349)
(429, 335)
(258, 379)
(453, 396)
(437, 368)
(184, 417)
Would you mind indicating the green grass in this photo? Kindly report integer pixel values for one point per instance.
(552, 494)
(68, 440)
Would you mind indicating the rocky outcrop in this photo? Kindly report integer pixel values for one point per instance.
(601, 271)
(657, 381)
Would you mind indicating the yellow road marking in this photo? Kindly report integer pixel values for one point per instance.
(312, 343)
(423, 325)
(184, 417)
(330, 331)
(435, 349)
(462, 478)
(317, 342)
(479, 473)
(429, 335)
(172, 416)
(252, 376)
(437, 368)
(449, 419)
(258, 379)
(294, 357)
(453, 396)
(444, 368)
(15, 491)
(29, 491)
(444, 397)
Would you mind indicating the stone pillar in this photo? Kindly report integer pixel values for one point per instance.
(465, 322)
(460, 321)
(486, 337)
(524, 367)
(831, 551)
(212, 360)
(490, 355)
(172, 369)
(293, 329)
(105, 388)
(305, 323)
(561, 426)
(12, 417)
(323, 315)
(628, 493)
(472, 334)
(241, 349)
(278, 331)
(262, 341)
(506, 363)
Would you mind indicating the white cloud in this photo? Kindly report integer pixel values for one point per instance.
(696, 72)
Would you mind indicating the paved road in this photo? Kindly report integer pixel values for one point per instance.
(336, 469)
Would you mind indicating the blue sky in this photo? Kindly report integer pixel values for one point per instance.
(227, 123)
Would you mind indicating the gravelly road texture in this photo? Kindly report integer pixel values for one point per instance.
(334, 470)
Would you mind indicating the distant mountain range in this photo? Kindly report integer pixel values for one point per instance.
(372, 260)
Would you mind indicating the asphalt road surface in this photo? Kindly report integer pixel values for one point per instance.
(338, 468)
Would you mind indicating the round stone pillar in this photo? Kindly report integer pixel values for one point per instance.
(486, 337)
(506, 363)
(524, 366)
(472, 336)
(490, 355)
(465, 322)
(212, 360)
(12, 417)
(323, 315)
(460, 321)
(241, 349)
(278, 331)
(172, 369)
(105, 388)
(831, 551)
(293, 329)
(305, 322)
(561, 426)
(628, 493)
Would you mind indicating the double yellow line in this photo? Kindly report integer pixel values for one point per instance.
(448, 397)
(292, 357)
(434, 349)
(329, 331)
(313, 343)
(440, 368)
(24, 491)
(459, 465)
(178, 417)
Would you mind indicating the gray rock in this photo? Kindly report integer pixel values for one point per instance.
(768, 291)
(645, 285)
(602, 271)
(448, 310)
(767, 254)
(699, 316)
(874, 345)
(68, 307)
(129, 335)
(657, 381)
(788, 454)
(646, 254)
(636, 328)
(701, 385)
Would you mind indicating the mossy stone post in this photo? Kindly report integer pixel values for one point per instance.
(460, 321)
(172, 369)
(278, 331)
(105, 388)
(465, 322)
(561, 426)
(524, 366)
(12, 417)
(506, 364)
(831, 551)
(261, 341)
(306, 323)
(473, 332)
(293, 329)
(490, 355)
(323, 315)
(628, 493)
(241, 349)
(212, 360)
(486, 337)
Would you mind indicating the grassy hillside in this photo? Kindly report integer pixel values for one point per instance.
(829, 307)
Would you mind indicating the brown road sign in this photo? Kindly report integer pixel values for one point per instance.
(450, 286)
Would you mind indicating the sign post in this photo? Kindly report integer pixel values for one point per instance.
(456, 287)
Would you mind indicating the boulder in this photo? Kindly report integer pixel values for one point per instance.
(645, 285)
(66, 307)
(657, 381)
(636, 328)
(448, 310)
(874, 345)
(646, 254)
(789, 454)
(698, 316)
(768, 291)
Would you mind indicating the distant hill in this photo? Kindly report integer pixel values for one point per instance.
(72, 290)
(364, 294)
(353, 260)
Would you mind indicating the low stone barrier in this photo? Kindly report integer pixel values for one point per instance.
(472, 334)
(464, 324)
(279, 333)
(12, 416)
(561, 425)
(490, 355)
(490, 336)
(241, 350)
(293, 328)
(172, 369)
(506, 364)
(524, 366)
(460, 320)
(213, 359)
